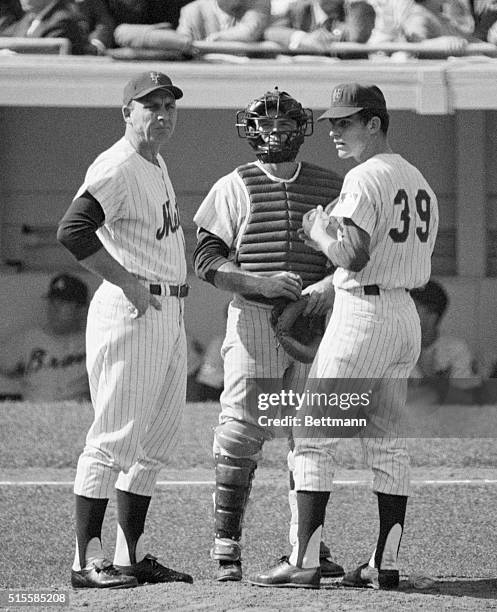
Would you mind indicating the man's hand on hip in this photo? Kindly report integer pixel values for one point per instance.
(140, 299)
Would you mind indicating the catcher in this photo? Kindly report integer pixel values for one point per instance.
(248, 244)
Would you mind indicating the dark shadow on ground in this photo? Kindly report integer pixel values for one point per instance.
(485, 588)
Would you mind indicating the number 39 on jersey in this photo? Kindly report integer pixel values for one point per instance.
(417, 212)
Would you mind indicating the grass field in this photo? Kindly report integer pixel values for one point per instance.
(449, 531)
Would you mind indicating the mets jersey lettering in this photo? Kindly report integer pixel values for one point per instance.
(142, 225)
(170, 222)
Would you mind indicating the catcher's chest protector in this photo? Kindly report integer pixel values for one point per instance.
(270, 243)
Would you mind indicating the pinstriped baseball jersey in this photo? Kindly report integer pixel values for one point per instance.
(391, 200)
(142, 227)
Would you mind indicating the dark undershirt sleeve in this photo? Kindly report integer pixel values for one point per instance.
(351, 253)
(78, 226)
(210, 253)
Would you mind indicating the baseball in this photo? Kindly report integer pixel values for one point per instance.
(308, 220)
(420, 581)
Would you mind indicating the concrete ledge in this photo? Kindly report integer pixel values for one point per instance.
(71, 81)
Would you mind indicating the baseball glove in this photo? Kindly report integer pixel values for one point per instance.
(299, 335)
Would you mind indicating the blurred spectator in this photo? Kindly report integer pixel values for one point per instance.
(225, 20)
(128, 11)
(161, 37)
(160, 11)
(146, 11)
(446, 370)
(10, 11)
(460, 14)
(423, 20)
(50, 19)
(485, 15)
(49, 360)
(314, 24)
(98, 25)
(194, 354)
(279, 8)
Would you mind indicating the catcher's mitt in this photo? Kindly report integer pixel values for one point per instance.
(299, 335)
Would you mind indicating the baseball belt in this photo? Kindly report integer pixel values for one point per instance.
(372, 290)
(180, 291)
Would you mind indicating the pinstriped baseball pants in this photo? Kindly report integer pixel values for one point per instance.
(371, 339)
(137, 373)
(250, 350)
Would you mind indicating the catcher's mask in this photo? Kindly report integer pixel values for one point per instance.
(275, 126)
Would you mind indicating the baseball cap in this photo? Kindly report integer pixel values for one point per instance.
(145, 83)
(350, 98)
(68, 288)
(433, 296)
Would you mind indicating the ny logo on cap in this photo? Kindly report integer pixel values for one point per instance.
(155, 77)
(337, 95)
(60, 284)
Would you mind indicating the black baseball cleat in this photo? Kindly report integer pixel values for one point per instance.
(283, 574)
(330, 569)
(229, 571)
(388, 579)
(367, 577)
(229, 555)
(363, 577)
(150, 570)
(101, 574)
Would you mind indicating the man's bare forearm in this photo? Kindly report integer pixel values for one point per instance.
(104, 265)
(231, 277)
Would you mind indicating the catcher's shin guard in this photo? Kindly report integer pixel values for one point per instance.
(233, 484)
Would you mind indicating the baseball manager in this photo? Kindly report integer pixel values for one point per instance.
(124, 226)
